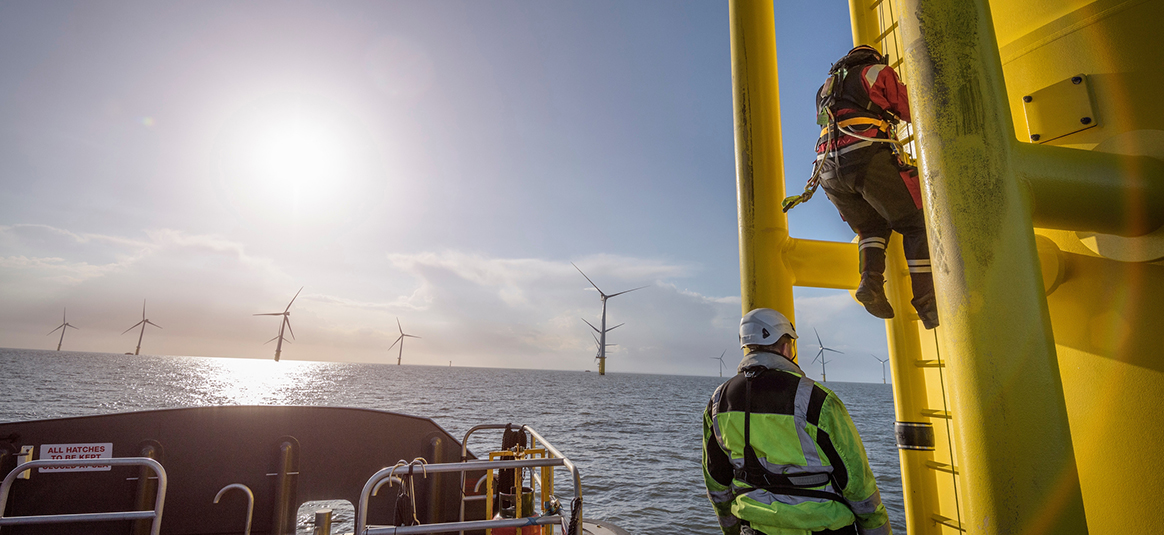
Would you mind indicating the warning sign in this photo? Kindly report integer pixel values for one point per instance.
(101, 450)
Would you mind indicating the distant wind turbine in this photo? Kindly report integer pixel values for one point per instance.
(882, 366)
(721, 362)
(62, 327)
(143, 324)
(285, 324)
(820, 355)
(602, 332)
(400, 340)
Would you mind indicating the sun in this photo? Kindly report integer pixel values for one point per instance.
(296, 161)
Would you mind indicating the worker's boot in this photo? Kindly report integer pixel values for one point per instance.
(923, 298)
(871, 293)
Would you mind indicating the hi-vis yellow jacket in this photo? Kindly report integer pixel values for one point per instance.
(818, 476)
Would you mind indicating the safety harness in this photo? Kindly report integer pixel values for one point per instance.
(843, 103)
(759, 478)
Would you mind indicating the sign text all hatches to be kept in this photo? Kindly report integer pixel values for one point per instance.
(100, 450)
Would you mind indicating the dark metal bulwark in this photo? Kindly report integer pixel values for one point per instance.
(287, 455)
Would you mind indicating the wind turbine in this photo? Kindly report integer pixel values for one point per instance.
(820, 355)
(602, 332)
(62, 327)
(286, 323)
(882, 366)
(143, 324)
(400, 339)
(721, 362)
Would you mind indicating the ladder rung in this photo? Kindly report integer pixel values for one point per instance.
(934, 413)
(942, 467)
(947, 521)
(929, 364)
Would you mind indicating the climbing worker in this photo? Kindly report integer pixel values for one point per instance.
(780, 454)
(867, 175)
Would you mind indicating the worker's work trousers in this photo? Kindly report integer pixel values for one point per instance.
(872, 197)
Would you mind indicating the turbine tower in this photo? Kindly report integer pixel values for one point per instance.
(143, 324)
(602, 332)
(721, 362)
(820, 355)
(286, 323)
(62, 327)
(400, 340)
(882, 366)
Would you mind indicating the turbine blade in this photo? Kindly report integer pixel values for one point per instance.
(411, 336)
(61, 326)
(833, 350)
(293, 300)
(71, 327)
(154, 324)
(398, 327)
(588, 279)
(818, 342)
(134, 327)
(583, 319)
(143, 309)
(627, 291)
(722, 354)
(288, 322)
(394, 343)
(269, 314)
(615, 327)
(271, 340)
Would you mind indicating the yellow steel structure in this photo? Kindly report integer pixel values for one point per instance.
(1047, 244)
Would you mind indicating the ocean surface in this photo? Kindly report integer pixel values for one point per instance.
(635, 438)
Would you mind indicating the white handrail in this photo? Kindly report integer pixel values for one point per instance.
(155, 515)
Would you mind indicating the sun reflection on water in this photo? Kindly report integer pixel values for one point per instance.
(238, 381)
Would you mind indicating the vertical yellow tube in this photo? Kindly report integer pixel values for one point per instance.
(909, 392)
(765, 278)
(1018, 464)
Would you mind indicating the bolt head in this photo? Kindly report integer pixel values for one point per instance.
(1034, 137)
(1027, 98)
(1077, 80)
(1085, 120)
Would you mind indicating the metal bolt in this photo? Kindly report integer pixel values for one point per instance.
(1085, 120)
(1077, 80)
(1034, 137)
(1027, 98)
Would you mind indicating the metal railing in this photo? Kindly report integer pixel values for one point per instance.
(557, 459)
(155, 516)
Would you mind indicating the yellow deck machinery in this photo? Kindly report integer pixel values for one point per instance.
(1039, 128)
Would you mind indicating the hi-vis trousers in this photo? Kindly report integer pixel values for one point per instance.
(874, 199)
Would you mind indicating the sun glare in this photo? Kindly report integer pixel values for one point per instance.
(242, 381)
(299, 161)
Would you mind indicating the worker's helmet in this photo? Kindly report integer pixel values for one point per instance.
(764, 326)
(864, 55)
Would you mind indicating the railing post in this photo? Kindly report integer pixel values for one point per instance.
(286, 478)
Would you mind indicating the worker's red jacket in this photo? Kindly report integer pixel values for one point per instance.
(886, 90)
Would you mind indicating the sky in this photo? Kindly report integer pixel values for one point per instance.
(436, 163)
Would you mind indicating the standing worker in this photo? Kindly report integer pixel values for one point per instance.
(804, 470)
(863, 171)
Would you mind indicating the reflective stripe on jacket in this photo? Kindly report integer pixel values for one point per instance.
(797, 427)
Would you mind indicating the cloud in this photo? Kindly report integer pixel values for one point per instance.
(469, 308)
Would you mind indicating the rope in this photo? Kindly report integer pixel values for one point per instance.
(949, 434)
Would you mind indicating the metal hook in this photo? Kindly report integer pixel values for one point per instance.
(250, 501)
(391, 478)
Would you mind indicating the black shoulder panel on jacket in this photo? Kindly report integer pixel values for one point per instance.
(773, 392)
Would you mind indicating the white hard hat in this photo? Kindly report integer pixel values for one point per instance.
(764, 326)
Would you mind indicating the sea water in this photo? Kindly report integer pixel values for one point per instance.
(634, 437)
